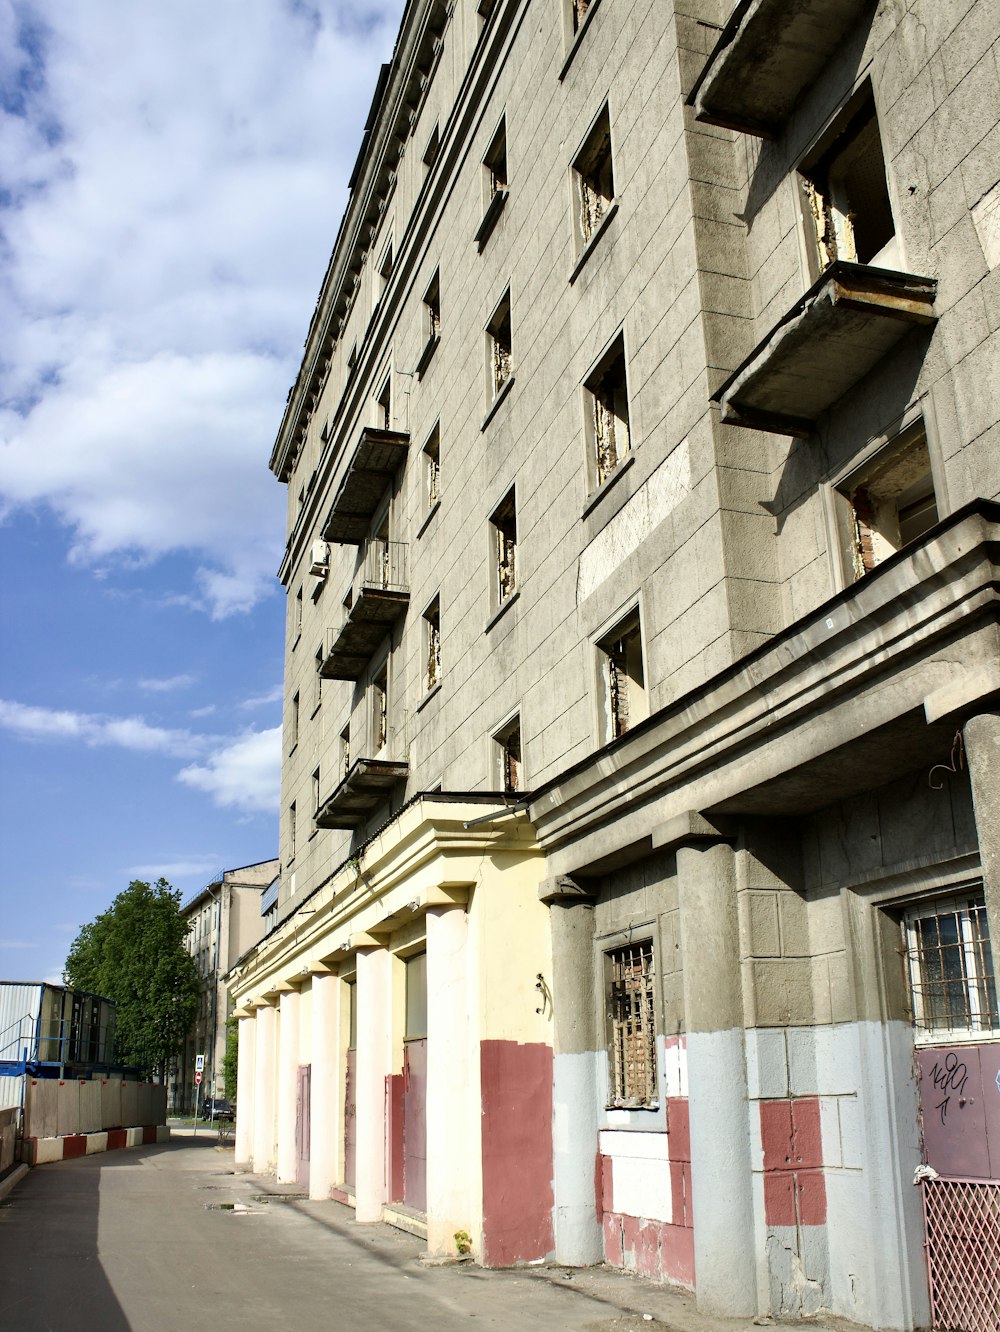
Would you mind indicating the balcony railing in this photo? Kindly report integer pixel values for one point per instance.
(380, 594)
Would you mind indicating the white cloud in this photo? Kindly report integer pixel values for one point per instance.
(175, 869)
(263, 700)
(34, 723)
(171, 202)
(166, 685)
(245, 774)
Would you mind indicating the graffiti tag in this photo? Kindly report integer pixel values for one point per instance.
(950, 1078)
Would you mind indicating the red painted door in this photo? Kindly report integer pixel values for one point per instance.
(350, 1137)
(415, 1124)
(303, 1125)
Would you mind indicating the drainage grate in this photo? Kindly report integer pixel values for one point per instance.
(279, 1197)
(962, 1217)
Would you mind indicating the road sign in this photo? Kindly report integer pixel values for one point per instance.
(197, 1078)
(199, 1064)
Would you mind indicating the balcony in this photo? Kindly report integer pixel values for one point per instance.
(367, 784)
(379, 597)
(830, 339)
(376, 460)
(770, 51)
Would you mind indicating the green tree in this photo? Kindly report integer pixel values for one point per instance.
(231, 1059)
(134, 954)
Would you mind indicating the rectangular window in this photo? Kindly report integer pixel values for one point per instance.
(623, 678)
(432, 467)
(495, 163)
(503, 537)
(433, 145)
(416, 997)
(498, 339)
(298, 612)
(293, 723)
(951, 969)
(345, 752)
(432, 644)
(507, 742)
(318, 678)
(315, 790)
(888, 502)
(432, 307)
(384, 271)
(847, 193)
(607, 413)
(384, 404)
(578, 12)
(593, 177)
(380, 710)
(292, 831)
(632, 1025)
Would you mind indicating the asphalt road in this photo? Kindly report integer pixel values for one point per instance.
(156, 1240)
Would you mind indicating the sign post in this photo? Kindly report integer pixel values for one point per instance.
(199, 1072)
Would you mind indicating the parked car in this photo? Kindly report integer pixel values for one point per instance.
(217, 1107)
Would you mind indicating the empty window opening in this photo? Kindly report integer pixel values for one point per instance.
(352, 360)
(432, 467)
(298, 612)
(432, 307)
(578, 12)
(607, 413)
(890, 502)
(593, 176)
(503, 534)
(508, 749)
(432, 644)
(345, 752)
(632, 1021)
(384, 404)
(433, 145)
(292, 830)
(624, 701)
(315, 790)
(498, 337)
(380, 709)
(293, 723)
(384, 270)
(849, 197)
(415, 1025)
(495, 163)
(318, 678)
(951, 969)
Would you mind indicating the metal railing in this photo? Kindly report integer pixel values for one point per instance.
(962, 1220)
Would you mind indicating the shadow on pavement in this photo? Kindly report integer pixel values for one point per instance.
(51, 1275)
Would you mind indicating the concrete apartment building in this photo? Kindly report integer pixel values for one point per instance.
(640, 850)
(226, 921)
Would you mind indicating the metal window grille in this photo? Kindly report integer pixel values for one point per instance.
(633, 1025)
(951, 969)
(962, 1218)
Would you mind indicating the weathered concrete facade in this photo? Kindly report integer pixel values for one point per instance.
(640, 805)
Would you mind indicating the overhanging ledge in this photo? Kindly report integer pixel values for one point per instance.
(830, 339)
(377, 458)
(769, 52)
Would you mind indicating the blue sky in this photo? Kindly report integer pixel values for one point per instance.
(171, 180)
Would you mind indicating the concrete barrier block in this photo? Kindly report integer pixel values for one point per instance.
(90, 1107)
(162, 1133)
(67, 1108)
(96, 1142)
(111, 1103)
(40, 1108)
(145, 1104)
(74, 1145)
(47, 1149)
(130, 1104)
(117, 1139)
(133, 1137)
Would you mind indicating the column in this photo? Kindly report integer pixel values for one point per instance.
(577, 1050)
(288, 1084)
(982, 749)
(265, 1052)
(327, 1103)
(721, 1181)
(448, 1169)
(374, 1050)
(247, 1030)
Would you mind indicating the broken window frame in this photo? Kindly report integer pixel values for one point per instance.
(608, 424)
(499, 348)
(953, 990)
(294, 721)
(345, 751)
(432, 645)
(292, 830)
(383, 403)
(495, 164)
(318, 680)
(869, 502)
(593, 180)
(432, 468)
(503, 542)
(623, 696)
(843, 221)
(432, 306)
(630, 988)
(380, 709)
(509, 761)
(316, 793)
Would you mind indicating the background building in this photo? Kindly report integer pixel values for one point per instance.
(225, 920)
(640, 793)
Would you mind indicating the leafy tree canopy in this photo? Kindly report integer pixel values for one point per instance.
(134, 953)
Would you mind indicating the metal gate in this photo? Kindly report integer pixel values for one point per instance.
(962, 1220)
